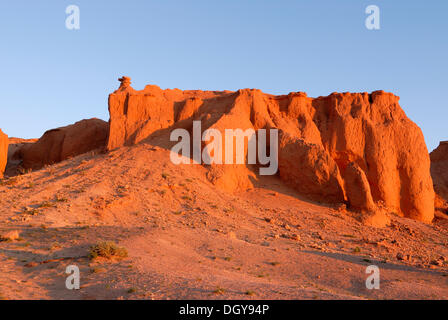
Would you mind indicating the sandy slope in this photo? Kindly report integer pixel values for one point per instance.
(185, 238)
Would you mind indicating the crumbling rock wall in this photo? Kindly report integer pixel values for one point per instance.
(3, 152)
(357, 148)
(65, 142)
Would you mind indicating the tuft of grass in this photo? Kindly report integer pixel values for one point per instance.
(108, 250)
(22, 170)
(165, 175)
(228, 258)
(275, 263)
(132, 290)
(356, 250)
(55, 246)
(60, 198)
(30, 211)
(50, 169)
(46, 204)
(9, 182)
(30, 185)
(219, 290)
(250, 293)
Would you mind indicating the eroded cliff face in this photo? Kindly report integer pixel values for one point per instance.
(357, 148)
(439, 173)
(13, 166)
(4, 142)
(61, 143)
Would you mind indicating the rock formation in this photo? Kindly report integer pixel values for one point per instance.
(13, 166)
(3, 152)
(439, 173)
(357, 148)
(439, 169)
(65, 142)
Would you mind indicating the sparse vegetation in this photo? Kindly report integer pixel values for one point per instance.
(219, 290)
(108, 250)
(55, 246)
(9, 182)
(30, 211)
(50, 169)
(60, 198)
(22, 170)
(250, 293)
(30, 185)
(47, 204)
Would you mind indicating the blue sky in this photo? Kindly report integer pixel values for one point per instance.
(52, 76)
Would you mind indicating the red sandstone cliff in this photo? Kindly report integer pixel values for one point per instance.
(3, 152)
(439, 173)
(61, 143)
(355, 147)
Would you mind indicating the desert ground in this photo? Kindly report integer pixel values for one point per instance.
(186, 239)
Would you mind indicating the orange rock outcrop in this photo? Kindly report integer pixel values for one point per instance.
(439, 173)
(13, 166)
(357, 148)
(3, 152)
(61, 143)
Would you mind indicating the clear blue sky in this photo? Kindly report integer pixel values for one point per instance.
(52, 76)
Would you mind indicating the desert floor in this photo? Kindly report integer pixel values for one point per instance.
(188, 240)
